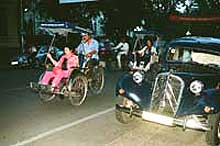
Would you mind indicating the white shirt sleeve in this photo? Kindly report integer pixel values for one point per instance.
(153, 50)
(79, 48)
(142, 50)
(118, 46)
(125, 47)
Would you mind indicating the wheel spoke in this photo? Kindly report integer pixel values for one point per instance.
(97, 82)
(78, 91)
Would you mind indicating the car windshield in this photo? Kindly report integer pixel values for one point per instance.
(188, 55)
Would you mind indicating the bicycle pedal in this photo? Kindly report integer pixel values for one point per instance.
(89, 80)
(51, 98)
(31, 85)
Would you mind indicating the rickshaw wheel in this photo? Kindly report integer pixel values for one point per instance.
(122, 117)
(46, 97)
(36, 82)
(46, 93)
(213, 134)
(78, 88)
(97, 80)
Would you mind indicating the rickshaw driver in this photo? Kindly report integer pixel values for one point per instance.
(88, 50)
(62, 68)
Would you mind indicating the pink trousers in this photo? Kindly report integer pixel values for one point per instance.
(57, 77)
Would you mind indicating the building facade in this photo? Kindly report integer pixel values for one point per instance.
(9, 23)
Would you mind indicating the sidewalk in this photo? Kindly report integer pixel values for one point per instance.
(6, 55)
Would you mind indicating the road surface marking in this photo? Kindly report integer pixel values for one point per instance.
(61, 128)
(15, 89)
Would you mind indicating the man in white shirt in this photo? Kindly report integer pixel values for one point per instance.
(123, 48)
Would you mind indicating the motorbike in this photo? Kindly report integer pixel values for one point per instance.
(26, 59)
(105, 52)
(108, 56)
(41, 54)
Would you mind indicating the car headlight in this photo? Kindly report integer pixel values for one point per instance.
(138, 77)
(196, 86)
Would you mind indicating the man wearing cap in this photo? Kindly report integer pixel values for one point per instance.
(87, 49)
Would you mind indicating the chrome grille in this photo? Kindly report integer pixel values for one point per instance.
(167, 94)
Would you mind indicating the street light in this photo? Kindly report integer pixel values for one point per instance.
(26, 6)
(22, 26)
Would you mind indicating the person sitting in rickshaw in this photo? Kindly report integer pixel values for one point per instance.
(61, 69)
(146, 56)
(147, 50)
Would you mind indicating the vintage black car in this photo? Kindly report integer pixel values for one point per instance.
(182, 89)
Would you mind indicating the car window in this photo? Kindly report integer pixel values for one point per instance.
(192, 55)
(179, 54)
(205, 58)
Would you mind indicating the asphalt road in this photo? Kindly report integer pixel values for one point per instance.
(24, 120)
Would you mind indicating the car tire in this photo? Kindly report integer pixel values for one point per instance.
(212, 135)
(122, 117)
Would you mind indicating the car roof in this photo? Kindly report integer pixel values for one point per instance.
(209, 43)
(147, 32)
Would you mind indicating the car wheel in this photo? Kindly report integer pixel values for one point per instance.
(122, 117)
(213, 134)
(78, 88)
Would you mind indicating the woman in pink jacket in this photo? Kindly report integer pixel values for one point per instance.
(69, 60)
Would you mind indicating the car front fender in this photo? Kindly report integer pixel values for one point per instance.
(206, 103)
(140, 94)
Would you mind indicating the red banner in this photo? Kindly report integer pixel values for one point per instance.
(194, 19)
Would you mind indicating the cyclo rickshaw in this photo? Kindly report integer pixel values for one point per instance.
(81, 79)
